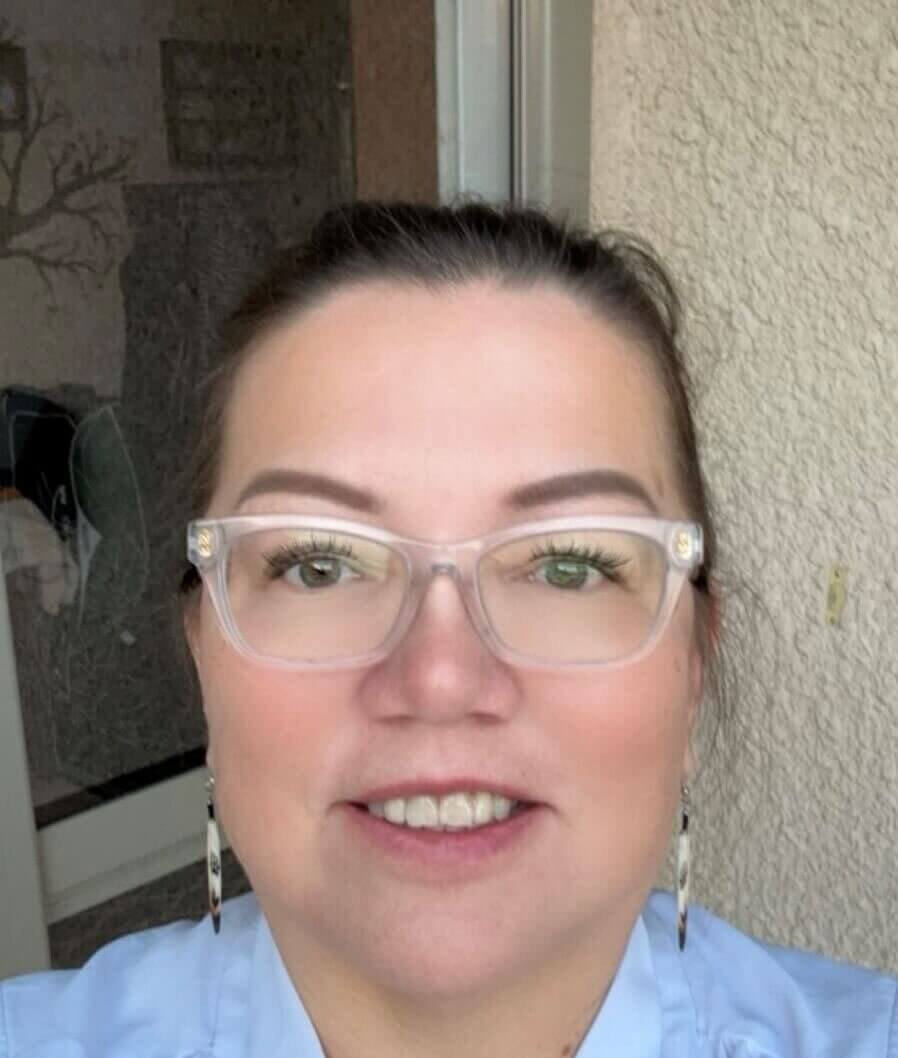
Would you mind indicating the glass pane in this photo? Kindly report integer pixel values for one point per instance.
(157, 156)
(313, 595)
(584, 595)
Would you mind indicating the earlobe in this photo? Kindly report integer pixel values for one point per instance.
(702, 652)
(695, 692)
(696, 687)
(191, 624)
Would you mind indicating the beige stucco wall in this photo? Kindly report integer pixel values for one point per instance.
(757, 146)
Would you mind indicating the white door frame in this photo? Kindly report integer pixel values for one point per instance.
(552, 64)
(514, 83)
(23, 931)
(473, 75)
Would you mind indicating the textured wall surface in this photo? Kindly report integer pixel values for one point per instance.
(757, 146)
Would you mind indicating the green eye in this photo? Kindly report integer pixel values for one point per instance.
(565, 574)
(574, 564)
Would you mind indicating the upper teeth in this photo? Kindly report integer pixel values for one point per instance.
(455, 811)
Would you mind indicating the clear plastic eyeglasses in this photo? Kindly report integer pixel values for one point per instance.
(305, 592)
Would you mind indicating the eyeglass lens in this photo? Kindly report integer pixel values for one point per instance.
(580, 595)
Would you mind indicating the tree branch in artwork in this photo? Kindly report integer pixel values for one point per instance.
(68, 230)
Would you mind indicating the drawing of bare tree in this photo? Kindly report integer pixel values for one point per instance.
(70, 230)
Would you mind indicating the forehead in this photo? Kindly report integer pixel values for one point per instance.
(447, 395)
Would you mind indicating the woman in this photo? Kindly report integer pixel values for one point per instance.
(454, 618)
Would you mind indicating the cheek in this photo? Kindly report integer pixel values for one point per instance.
(271, 735)
(626, 738)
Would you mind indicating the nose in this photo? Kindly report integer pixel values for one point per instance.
(442, 671)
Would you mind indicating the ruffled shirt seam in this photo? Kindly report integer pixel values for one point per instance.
(214, 1038)
(216, 1017)
(892, 1042)
(4, 1037)
(681, 1011)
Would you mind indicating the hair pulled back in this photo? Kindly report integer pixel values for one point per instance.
(614, 273)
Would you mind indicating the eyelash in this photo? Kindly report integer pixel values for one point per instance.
(287, 556)
(606, 563)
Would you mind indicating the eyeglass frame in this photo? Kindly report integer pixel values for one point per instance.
(209, 540)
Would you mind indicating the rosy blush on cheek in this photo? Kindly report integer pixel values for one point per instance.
(270, 733)
(635, 713)
(625, 743)
(273, 719)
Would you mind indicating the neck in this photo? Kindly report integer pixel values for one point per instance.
(543, 1013)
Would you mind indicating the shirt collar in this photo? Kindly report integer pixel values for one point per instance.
(279, 1026)
(629, 1021)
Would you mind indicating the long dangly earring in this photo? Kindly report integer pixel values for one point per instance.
(213, 856)
(683, 868)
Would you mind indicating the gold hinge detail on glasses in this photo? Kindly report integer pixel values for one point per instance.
(205, 543)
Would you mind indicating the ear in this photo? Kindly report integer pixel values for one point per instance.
(191, 621)
(696, 685)
(696, 688)
(190, 631)
(191, 618)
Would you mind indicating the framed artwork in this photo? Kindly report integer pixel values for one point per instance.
(237, 106)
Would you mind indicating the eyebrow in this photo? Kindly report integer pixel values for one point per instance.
(600, 481)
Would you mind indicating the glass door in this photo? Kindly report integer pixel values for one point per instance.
(154, 157)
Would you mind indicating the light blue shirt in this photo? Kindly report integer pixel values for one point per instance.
(179, 991)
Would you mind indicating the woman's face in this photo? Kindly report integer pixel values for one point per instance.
(440, 402)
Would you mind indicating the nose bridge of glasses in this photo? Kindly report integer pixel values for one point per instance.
(458, 574)
(428, 560)
(432, 570)
(442, 563)
(457, 562)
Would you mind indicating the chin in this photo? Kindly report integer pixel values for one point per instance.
(448, 958)
(436, 971)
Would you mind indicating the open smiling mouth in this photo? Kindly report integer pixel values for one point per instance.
(455, 812)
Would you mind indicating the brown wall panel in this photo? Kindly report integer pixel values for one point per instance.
(394, 99)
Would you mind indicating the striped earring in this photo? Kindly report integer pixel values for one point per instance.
(683, 867)
(213, 855)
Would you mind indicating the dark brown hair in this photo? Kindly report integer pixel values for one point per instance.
(617, 275)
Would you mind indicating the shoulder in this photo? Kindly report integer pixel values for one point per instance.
(750, 999)
(149, 993)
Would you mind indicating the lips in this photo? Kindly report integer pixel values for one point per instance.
(440, 856)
